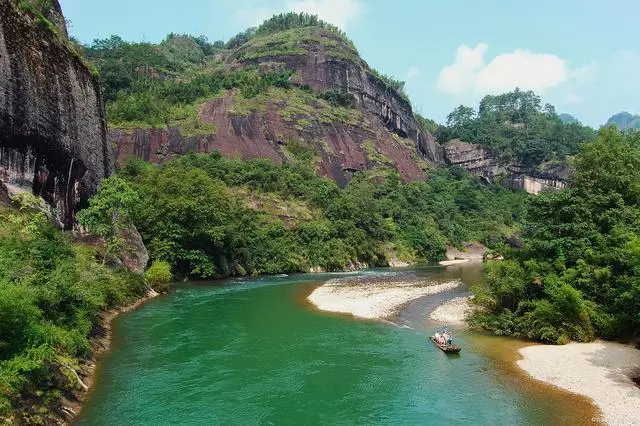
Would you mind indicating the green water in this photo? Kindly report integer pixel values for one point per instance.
(250, 352)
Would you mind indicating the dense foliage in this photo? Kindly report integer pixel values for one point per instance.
(518, 127)
(148, 85)
(51, 295)
(194, 215)
(579, 272)
(291, 20)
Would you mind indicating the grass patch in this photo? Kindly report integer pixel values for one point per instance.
(373, 154)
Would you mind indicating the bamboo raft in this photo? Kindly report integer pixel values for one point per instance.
(450, 349)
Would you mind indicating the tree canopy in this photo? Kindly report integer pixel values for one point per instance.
(517, 127)
(579, 272)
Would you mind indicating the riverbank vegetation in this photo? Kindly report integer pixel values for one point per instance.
(578, 275)
(210, 216)
(52, 292)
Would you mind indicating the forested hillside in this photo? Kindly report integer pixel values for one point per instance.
(518, 128)
(292, 80)
(209, 216)
(52, 293)
(578, 275)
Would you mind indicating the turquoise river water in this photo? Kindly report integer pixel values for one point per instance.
(251, 352)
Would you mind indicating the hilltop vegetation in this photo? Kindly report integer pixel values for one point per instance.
(518, 127)
(159, 85)
(578, 275)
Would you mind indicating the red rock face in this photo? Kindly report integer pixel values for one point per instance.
(388, 135)
(482, 162)
(341, 147)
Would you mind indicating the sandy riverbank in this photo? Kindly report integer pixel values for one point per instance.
(455, 311)
(372, 300)
(600, 371)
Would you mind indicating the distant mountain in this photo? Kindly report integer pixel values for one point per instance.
(568, 118)
(624, 120)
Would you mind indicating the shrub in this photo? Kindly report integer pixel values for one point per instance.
(159, 276)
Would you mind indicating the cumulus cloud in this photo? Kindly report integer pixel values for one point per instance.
(413, 72)
(459, 77)
(338, 12)
(470, 74)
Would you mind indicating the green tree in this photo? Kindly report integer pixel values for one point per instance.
(109, 211)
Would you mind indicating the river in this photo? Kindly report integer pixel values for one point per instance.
(251, 351)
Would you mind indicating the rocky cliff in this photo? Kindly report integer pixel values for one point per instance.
(482, 162)
(52, 127)
(380, 131)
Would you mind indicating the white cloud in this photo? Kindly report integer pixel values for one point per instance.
(338, 12)
(458, 77)
(254, 16)
(471, 75)
(413, 72)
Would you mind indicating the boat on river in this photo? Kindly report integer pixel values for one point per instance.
(450, 349)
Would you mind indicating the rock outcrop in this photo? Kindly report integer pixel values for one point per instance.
(342, 148)
(331, 64)
(385, 131)
(133, 255)
(52, 127)
(482, 162)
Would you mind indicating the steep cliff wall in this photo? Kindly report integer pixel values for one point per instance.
(380, 131)
(52, 129)
(482, 162)
(324, 61)
(266, 129)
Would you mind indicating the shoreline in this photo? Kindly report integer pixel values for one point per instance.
(568, 407)
(453, 311)
(504, 354)
(364, 299)
(600, 371)
(101, 340)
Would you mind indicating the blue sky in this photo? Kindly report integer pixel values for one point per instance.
(582, 56)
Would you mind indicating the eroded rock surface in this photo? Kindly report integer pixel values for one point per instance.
(386, 133)
(481, 161)
(52, 128)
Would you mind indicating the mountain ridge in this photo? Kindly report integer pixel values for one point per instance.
(624, 121)
(315, 91)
